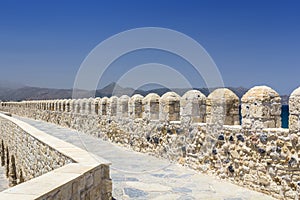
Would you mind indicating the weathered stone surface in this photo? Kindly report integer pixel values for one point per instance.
(151, 107)
(294, 109)
(222, 107)
(50, 168)
(258, 154)
(169, 109)
(136, 106)
(193, 107)
(261, 108)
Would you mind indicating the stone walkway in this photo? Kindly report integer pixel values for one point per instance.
(140, 176)
(3, 179)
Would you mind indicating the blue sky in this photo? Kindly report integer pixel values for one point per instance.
(43, 43)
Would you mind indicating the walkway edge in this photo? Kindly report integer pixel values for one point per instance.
(86, 169)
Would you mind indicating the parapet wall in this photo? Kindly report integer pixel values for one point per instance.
(43, 167)
(201, 132)
(24, 157)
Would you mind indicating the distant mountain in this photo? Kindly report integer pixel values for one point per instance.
(114, 89)
(10, 85)
(33, 93)
(18, 92)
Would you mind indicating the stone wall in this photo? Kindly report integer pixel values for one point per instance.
(24, 157)
(43, 167)
(201, 132)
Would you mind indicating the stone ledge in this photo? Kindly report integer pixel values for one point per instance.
(83, 171)
(6, 113)
(49, 182)
(67, 149)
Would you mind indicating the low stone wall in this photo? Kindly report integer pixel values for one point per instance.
(201, 132)
(24, 157)
(44, 167)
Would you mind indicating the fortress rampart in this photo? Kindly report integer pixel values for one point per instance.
(201, 132)
(40, 166)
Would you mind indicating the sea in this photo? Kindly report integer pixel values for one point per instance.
(285, 116)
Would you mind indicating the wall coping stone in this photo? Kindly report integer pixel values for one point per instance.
(46, 183)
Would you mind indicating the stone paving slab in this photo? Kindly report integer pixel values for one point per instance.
(3, 179)
(140, 176)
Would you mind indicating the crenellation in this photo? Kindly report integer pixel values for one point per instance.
(222, 107)
(55, 105)
(103, 106)
(83, 106)
(169, 107)
(89, 105)
(77, 106)
(96, 106)
(201, 132)
(112, 104)
(151, 106)
(122, 106)
(135, 106)
(294, 109)
(261, 108)
(193, 107)
(59, 106)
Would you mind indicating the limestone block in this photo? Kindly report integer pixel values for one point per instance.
(72, 105)
(169, 107)
(96, 106)
(262, 105)
(193, 106)
(112, 106)
(122, 108)
(151, 106)
(78, 105)
(83, 106)
(89, 106)
(222, 107)
(136, 106)
(294, 109)
(103, 106)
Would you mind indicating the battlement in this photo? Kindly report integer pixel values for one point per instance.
(261, 107)
(204, 133)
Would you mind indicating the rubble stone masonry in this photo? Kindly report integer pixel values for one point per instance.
(201, 132)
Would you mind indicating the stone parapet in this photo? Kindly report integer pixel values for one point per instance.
(201, 132)
(40, 166)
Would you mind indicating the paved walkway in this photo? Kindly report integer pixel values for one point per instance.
(3, 179)
(140, 176)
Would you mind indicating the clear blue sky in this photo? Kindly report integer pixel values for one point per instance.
(42, 43)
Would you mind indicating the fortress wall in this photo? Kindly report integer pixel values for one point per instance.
(201, 132)
(24, 157)
(40, 166)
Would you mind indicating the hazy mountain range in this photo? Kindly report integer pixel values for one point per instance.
(18, 92)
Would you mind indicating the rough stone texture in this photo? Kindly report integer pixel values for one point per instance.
(112, 106)
(222, 107)
(157, 178)
(151, 107)
(193, 106)
(31, 158)
(261, 108)
(169, 107)
(42, 171)
(258, 154)
(123, 106)
(136, 106)
(294, 108)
